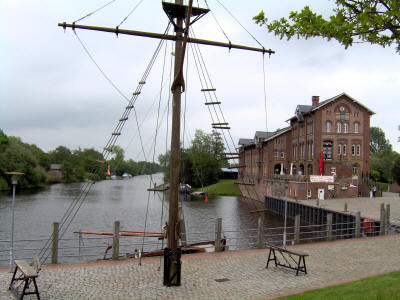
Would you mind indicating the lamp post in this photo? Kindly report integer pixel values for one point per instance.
(14, 181)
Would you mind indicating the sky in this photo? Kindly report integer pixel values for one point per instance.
(52, 93)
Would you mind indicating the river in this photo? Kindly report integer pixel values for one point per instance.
(127, 202)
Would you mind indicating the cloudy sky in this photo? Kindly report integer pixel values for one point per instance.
(52, 93)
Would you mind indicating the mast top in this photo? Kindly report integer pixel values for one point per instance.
(174, 10)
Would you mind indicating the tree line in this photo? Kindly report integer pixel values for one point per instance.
(201, 162)
(74, 165)
(384, 161)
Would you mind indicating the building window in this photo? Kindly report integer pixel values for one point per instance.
(308, 193)
(358, 150)
(356, 127)
(353, 150)
(312, 149)
(342, 116)
(339, 149)
(327, 149)
(346, 127)
(355, 170)
(276, 154)
(339, 127)
(282, 154)
(344, 149)
(328, 126)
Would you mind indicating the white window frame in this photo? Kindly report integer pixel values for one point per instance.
(339, 127)
(328, 126)
(356, 127)
(353, 150)
(339, 149)
(358, 150)
(344, 149)
(346, 127)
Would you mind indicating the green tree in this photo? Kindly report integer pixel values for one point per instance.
(381, 164)
(396, 171)
(371, 21)
(206, 156)
(378, 141)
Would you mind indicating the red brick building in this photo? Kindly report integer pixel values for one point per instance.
(334, 131)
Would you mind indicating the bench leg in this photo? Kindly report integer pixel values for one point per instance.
(300, 267)
(269, 258)
(13, 278)
(304, 265)
(24, 289)
(36, 288)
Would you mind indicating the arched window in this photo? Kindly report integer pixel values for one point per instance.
(344, 149)
(345, 127)
(339, 127)
(356, 127)
(328, 126)
(358, 150)
(327, 149)
(353, 150)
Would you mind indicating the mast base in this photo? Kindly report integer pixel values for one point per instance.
(172, 267)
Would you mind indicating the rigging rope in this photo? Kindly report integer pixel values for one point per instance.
(93, 12)
(99, 68)
(155, 144)
(219, 25)
(239, 23)
(77, 202)
(140, 2)
(265, 95)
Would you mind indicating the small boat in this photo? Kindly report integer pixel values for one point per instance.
(185, 189)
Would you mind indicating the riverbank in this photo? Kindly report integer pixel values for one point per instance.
(224, 187)
(224, 275)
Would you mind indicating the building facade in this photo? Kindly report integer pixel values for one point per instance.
(329, 138)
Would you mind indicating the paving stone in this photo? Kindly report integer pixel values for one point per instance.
(328, 263)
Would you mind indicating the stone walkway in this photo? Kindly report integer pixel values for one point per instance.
(328, 264)
(369, 207)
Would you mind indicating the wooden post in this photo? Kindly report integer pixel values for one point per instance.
(261, 230)
(54, 250)
(345, 206)
(382, 220)
(218, 230)
(329, 226)
(182, 233)
(387, 218)
(297, 229)
(115, 245)
(358, 224)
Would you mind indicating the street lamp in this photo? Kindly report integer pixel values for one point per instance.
(14, 181)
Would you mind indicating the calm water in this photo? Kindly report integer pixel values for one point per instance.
(125, 201)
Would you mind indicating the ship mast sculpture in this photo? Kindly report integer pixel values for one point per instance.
(178, 14)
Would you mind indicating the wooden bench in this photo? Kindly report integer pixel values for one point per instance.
(24, 272)
(287, 256)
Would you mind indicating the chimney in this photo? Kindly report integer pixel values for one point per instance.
(315, 100)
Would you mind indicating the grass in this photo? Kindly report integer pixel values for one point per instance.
(385, 287)
(224, 187)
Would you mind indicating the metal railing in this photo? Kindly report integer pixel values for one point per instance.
(83, 249)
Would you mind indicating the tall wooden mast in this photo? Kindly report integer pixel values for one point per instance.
(179, 12)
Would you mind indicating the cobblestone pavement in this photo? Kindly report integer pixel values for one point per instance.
(329, 263)
(369, 207)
